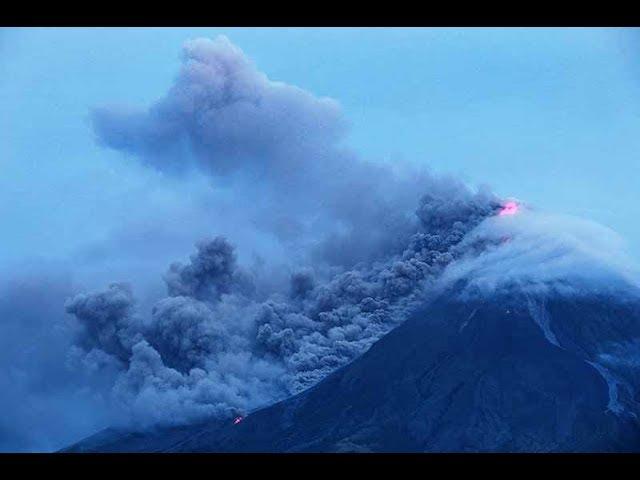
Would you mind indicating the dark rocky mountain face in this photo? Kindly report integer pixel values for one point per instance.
(510, 373)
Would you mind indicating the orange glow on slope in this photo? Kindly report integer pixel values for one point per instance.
(509, 208)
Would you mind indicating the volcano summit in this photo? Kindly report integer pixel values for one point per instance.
(512, 350)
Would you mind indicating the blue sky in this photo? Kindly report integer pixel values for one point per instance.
(550, 116)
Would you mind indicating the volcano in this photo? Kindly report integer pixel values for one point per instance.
(512, 372)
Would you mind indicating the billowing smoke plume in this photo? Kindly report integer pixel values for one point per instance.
(230, 116)
(106, 318)
(211, 273)
(279, 148)
(364, 241)
(213, 348)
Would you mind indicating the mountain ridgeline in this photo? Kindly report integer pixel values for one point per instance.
(509, 372)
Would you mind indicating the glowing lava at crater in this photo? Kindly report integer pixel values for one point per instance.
(509, 208)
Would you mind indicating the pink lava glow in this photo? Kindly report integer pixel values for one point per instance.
(237, 420)
(509, 208)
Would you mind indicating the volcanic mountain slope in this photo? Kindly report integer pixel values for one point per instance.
(508, 373)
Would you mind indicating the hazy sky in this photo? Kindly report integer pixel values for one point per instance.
(550, 116)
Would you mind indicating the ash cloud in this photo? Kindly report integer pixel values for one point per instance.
(228, 114)
(211, 272)
(106, 319)
(213, 348)
(364, 241)
(278, 147)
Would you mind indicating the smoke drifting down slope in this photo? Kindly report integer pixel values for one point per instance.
(367, 242)
(510, 370)
(364, 239)
(211, 348)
